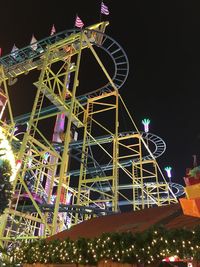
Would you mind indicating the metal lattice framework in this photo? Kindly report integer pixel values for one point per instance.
(63, 181)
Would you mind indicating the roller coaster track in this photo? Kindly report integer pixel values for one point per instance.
(26, 59)
(75, 152)
(158, 143)
(68, 209)
(179, 190)
(159, 149)
(88, 210)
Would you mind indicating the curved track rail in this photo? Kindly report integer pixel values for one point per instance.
(156, 141)
(99, 169)
(26, 59)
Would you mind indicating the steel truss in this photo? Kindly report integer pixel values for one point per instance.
(60, 184)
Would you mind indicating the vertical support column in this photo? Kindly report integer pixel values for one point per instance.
(141, 173)
(135, 188)
(82, 174)
(157, 184)
(115, 157)
(21, 153)
(33, 114)
(65, 155)
(2, 74)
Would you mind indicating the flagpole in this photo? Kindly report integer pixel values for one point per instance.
(100, 16)
(75, 20)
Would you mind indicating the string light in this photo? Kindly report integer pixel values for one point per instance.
(119, 247)
(7, 154)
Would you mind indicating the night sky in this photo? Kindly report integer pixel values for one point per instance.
(161, 39)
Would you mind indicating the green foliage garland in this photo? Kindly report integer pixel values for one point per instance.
(5, 185)
(147, 247)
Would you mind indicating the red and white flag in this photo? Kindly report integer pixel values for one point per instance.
(33, 43)
(104, 9)
(78, 22)
(53, 30)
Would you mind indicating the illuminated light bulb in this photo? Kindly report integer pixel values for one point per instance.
(18, 164)
(146, 123)
(172, 258)
(168, 170)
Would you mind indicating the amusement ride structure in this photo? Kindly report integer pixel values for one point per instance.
(90, 167)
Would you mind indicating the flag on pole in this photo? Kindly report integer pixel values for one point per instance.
(14, 51)
(33, 43)
(78, 22)
(53, 30)
(104, 9)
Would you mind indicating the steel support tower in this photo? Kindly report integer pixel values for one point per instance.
(59, 184)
